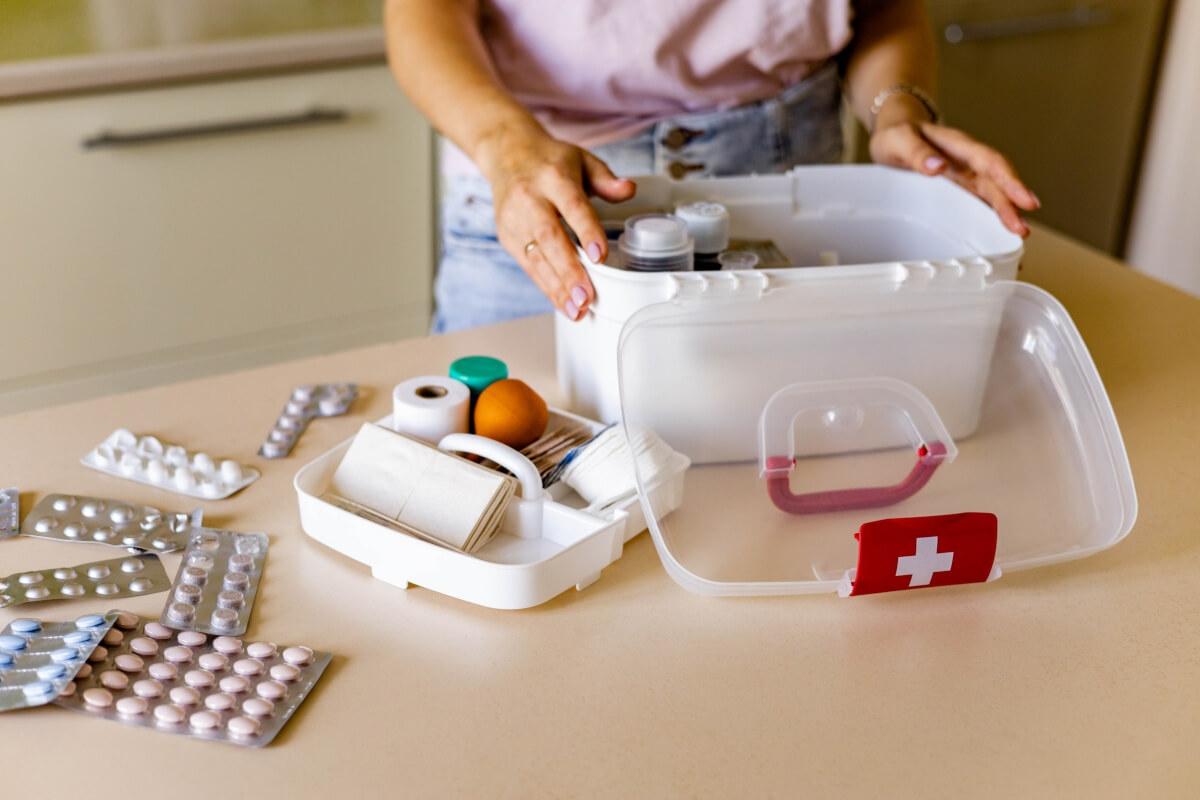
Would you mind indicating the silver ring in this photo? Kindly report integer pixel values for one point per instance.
(530, 246)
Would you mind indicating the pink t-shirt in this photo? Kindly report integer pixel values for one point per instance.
(594, 71)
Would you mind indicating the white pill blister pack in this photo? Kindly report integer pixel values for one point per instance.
(162, 465)
(306, 403)
(184, 682)
(118, 577)
(10, 512)
(102, 520)
(38, 660)
(217, 582)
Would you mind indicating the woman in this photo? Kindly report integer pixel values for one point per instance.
(548, 101)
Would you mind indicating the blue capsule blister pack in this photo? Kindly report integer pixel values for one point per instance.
(39, 660)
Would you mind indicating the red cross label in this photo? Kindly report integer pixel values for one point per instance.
(913, 552)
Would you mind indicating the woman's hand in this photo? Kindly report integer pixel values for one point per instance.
(536, 180)
(904, 137)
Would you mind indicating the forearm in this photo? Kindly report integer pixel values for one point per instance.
(893, 43)
(439, 59)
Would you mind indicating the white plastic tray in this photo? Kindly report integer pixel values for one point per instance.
(509, 572)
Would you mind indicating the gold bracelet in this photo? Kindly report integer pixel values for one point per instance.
(917, 92)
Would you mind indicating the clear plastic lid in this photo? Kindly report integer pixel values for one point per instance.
(817, 416)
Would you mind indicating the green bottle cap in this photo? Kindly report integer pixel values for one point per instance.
(478, 372)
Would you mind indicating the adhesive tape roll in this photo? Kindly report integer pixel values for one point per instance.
(430, 407)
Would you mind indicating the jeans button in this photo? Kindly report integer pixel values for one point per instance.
(679, 169)
(678, 137)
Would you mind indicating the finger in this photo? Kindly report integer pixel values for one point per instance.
(534, 266)
(992, 194)
(603, 183)
(558, 251)
(984, 160)
(902, 146)
(573, 205)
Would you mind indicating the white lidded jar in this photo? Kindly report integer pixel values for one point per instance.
(656, 243)
(708, 224)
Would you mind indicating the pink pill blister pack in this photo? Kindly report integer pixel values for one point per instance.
(10, 512)
(217, 582)
(184, 682)
(131, 576)
(74, 518)
(38, 660)
(148, 460)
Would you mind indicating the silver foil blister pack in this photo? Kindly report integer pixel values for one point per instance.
(74, 518)
(38, 660)
(217, 582)
(10, 512)
(307, 403)
(185, 682)
(131, 576)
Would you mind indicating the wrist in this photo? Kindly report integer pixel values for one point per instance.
(901, 108)
(493, 148)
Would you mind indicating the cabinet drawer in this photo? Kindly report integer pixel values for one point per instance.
(1059, 86)
(236, 237)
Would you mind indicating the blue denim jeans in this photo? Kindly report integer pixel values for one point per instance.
(479, 283)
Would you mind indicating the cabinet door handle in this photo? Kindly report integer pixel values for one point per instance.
(1075, 19)
(135, 138)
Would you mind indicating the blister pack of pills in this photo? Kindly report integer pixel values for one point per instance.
(217, 582)
(306, 404)
(10, 512)
(210, 687)
(74, 518)
(38, 660)
(153, 462)
(118, 577)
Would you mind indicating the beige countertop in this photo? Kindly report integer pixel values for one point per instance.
(1081, 679)
(94, 45)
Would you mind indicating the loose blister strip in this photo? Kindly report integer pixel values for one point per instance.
(306, 403)
(74, 518)
(209, 687)
(10, 512)
(118, 577)
(153, 462)
(38, 660)
(217, 582)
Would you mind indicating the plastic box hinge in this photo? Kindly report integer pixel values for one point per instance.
(952, 273)
(692, 285)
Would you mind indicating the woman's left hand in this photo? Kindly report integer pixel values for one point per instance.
(933, 149)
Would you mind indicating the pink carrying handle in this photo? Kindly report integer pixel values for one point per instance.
(779, 486)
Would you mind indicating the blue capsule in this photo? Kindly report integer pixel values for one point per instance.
(89, 621)
(64, 655)
(6, 659)
(11, 643)
(38, 688)
(77, 637)
(26, 625)
(49, 672)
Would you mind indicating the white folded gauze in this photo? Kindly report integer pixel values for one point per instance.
(602, 473)
(416, 488)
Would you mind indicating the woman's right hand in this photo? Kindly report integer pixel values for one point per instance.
(535, 180)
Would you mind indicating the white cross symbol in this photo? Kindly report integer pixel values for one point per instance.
(926, 561)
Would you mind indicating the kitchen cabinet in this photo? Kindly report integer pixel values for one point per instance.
(166, 232)
(1062, 88)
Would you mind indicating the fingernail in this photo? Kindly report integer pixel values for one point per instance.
(933, 163)
(579, 296)
(593, 251)
(1037, 203)
(571, 310)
